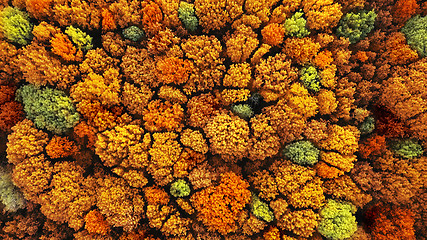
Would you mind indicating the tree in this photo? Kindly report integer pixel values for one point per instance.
(416, 34)
(337, 220)
(161, 115)
(180, 188)
(187, 16)
(10, 195)
(241, 44)
(302, 152)
(121, 205)
(80, 38)
(15, 25)
(407, 148)
(70, 193)
(62, 46)
(104, 88)
(310, 78)
(95, 223)
(214, 15)
(273, 34)
(389, 222)
(218, 207)
(296, 26)
(260, 209)
(49, 108)
(228, 136)
(133, 33)
(356, 26)
(322, 15)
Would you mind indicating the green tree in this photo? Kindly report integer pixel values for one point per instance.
(356, 26)
(180, 188)
(337, 220)
(133, 33)
(260, 209)
(242, 110)
(367, 126)
(302, 153)
(187, 15)
(310, 78)
(295, 26)
(48, 108)
(80, 38)
(16, 25)
(415, 31)
(407, 148)
(10, 195)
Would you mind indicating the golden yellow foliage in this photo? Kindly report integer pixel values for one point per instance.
(104, 89)
(170, 12)
(342, 139)
(300, 101)
(172, 94)
(327, 101)
(44, 32)
(265, 184)
(238, 75)
(228, 136)
(114, 44)
(33, 176)
(309, 195)
(344, 188)
(122, 205)
(230, 96)
(205, 53)
(301, 50)
(241, 44)
(343, 162)
(274, 74)
(71, 194)
(302, 222)
(272, 233)
(259, 53)
(290, 176)
(136, 98)
(322, 15)
(201, 108)
(288, 124)
(164, 153)
(25, 141)
(80, 13)
(137, 66)
(215, 14)
(122, 13)
(113, 146)
(194, 140)
(264, 141)
(40, 68)
(260, 8)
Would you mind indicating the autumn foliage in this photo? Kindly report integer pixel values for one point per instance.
(213, 119)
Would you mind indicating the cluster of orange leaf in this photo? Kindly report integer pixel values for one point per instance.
(158, 116)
